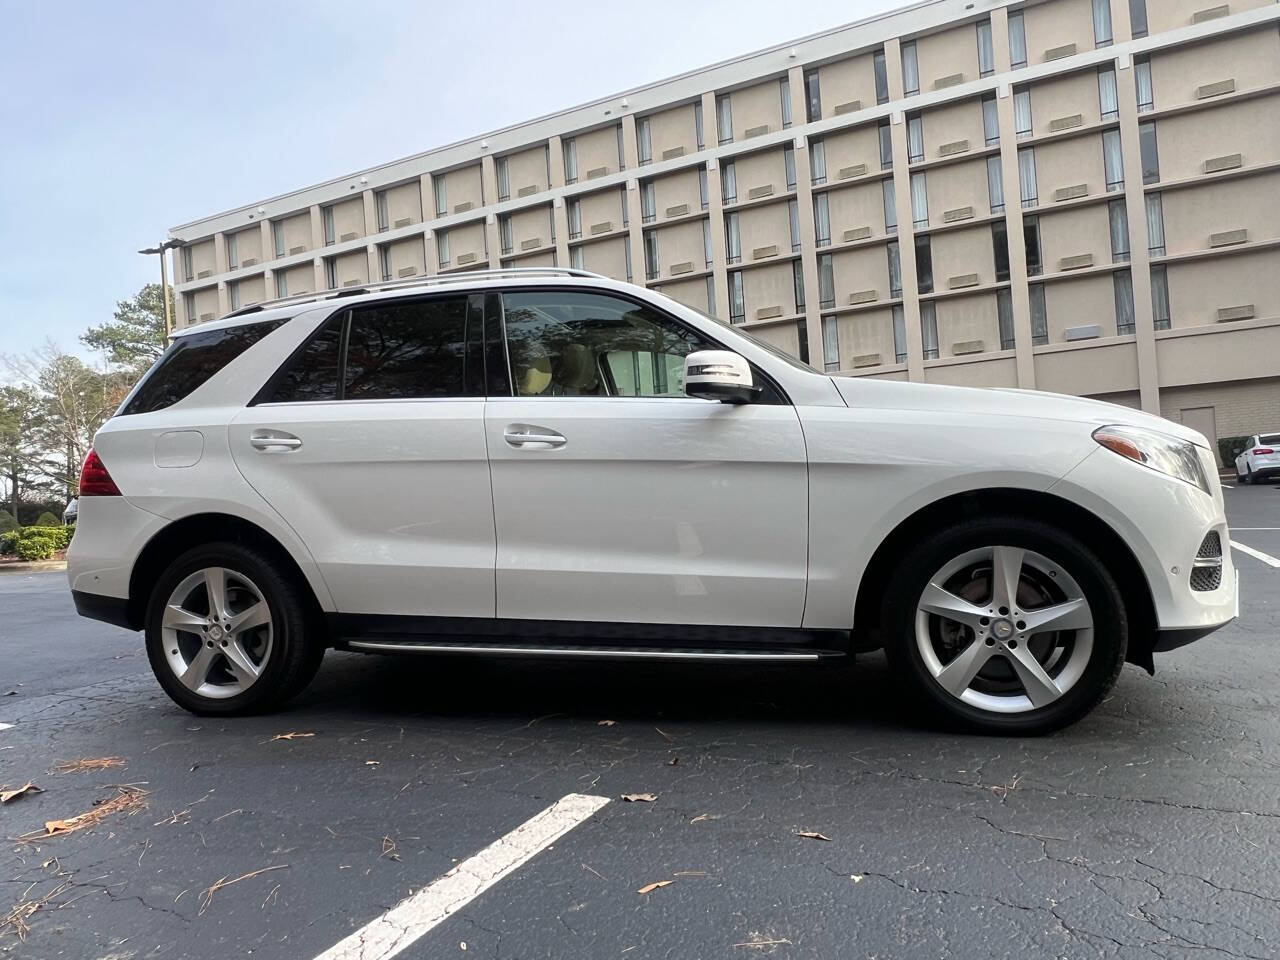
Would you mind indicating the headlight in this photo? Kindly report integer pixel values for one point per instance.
(1169, 455)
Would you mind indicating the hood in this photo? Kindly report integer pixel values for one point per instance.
(1003, 401)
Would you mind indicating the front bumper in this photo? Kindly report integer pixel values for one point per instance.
(1166, 640)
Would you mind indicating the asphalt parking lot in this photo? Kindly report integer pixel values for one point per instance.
(1152, 828)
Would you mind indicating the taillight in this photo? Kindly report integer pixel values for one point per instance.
(1262, 451)
(94, 479)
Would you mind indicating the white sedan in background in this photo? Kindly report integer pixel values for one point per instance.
(1260, 459)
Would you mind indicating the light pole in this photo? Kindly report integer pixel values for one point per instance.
(162, 249)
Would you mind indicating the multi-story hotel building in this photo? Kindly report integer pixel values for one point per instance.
(1080, 196)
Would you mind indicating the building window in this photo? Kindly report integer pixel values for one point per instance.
(651, 255)
(890, 206)
(1000, 249)
(704, 196)
(886, 146)
(442, 248)
(822, 219)
(797, 285)
(899, 334)
(506, 234)
(697, 124)
(189, 306)
(233, 251)
(929, 329)
(910, 69)
(277, 240)
(706, 241)
(570, 147)
(1017, 41)
(1142, 79)
(383, 210)
(384, 261)
(882, 76)
(626, 206)
(919, 201)
(793, 217)
(826, 282)
(1027, 177)
(1102, 36)
(812, 96)
(724, 118)
(990, 119)
(728, 183)
(1022, 112)
(830, 344)
(1004, 319)
(789, 166)
(577, 260)
(626, 259)
(711, 296)
(1150, 152)
(737, 302)
(995, 183)
(1108, 96)
(915, 138)
(924, 265)
(1122, 285)
(732, 238)
(986, 49)
(648, 202)
(802, 339)
(1155, 225)
(442, 198)
(504, 181)
(331, 272)
(817, 162)
(1112, 160)
(1118, 218)
(784, 97)
(233, 294)
(622, 150)
(1039, 315)
(1031, 241)
(1138, 17)
(575, 218)
(895, 269)
(188, 264)
(644, 140)
(282, 284)
(1160, 297)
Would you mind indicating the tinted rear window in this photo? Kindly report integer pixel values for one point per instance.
(1270, 439)
(403, 351)
(313, 372)
(189, 362)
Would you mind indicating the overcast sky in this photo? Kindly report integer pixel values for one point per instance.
(119, 120)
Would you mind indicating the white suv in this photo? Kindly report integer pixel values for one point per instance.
(553, 463)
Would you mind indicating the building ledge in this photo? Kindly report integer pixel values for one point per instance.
(985, 357)
(586, 239)
(675, 221)
(771, 321)
(873, 176)
(975, 290)
(1195, 106)
(958, 224)
(1115, 340)
(772, 198)
(1252, 246)
(878, 370)
(1208, 329)
(1206, 179)
(1072, 133)
(967, 157)
(868, 307)
(1098, 269)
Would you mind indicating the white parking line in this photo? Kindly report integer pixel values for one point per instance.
(404, 923)
(6, 726)
(1257, 554)
(1255, 528)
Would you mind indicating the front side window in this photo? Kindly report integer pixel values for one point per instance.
(910, 69)
(574, 344)
(314, 372)
(189, 362)
(404, 351)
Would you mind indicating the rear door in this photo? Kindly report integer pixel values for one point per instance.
(370, 443)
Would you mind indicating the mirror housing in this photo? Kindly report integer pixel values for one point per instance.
(719, 375)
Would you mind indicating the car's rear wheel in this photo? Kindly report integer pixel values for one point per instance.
(1006, 625)
(228, 633)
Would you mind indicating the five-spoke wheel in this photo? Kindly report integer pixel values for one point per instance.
(217, 632)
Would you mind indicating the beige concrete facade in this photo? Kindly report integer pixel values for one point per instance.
(1035, 194)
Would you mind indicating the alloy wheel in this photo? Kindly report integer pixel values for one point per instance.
(1004, 629)
(217, 632)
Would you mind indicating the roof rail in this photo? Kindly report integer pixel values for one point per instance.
(461, 276)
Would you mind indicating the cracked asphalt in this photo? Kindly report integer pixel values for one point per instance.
(1152, 828)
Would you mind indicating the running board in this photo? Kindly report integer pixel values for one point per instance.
(597, 652)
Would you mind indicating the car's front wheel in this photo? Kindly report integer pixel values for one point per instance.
(1006, 625)
(228, 633)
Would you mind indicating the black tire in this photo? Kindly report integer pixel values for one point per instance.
(912, 574)
(298, 641)
(1248, 476)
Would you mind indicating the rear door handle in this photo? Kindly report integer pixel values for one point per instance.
(275, 441)
(528, 435)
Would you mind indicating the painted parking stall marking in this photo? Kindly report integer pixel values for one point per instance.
(1257, 554)
(404, 923)
(6, 726)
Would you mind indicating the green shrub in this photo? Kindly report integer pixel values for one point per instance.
(9, 541)
(47, 519)
(35, 548)
(7, 522)
(60, 535)
(1231, 447)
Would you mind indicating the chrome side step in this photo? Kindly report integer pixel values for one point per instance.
(598, 652)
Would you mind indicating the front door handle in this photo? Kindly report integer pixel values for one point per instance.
(274, 441)
(533, 437)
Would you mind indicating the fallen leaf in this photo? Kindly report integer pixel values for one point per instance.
(812, 835)
(650, 887)
(289, 736)
(128, 800)
(88, 763)
(673, 761)
(372, 763)
(26, 788)
(855, 877)
(639, 797)
(605, 723)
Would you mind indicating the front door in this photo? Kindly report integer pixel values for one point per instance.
(619, 499)
(370, 444)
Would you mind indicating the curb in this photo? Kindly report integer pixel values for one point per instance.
(35, 566)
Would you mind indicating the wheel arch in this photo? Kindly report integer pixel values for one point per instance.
(1120, 560)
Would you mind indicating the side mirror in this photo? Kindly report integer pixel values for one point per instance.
(719, 375)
